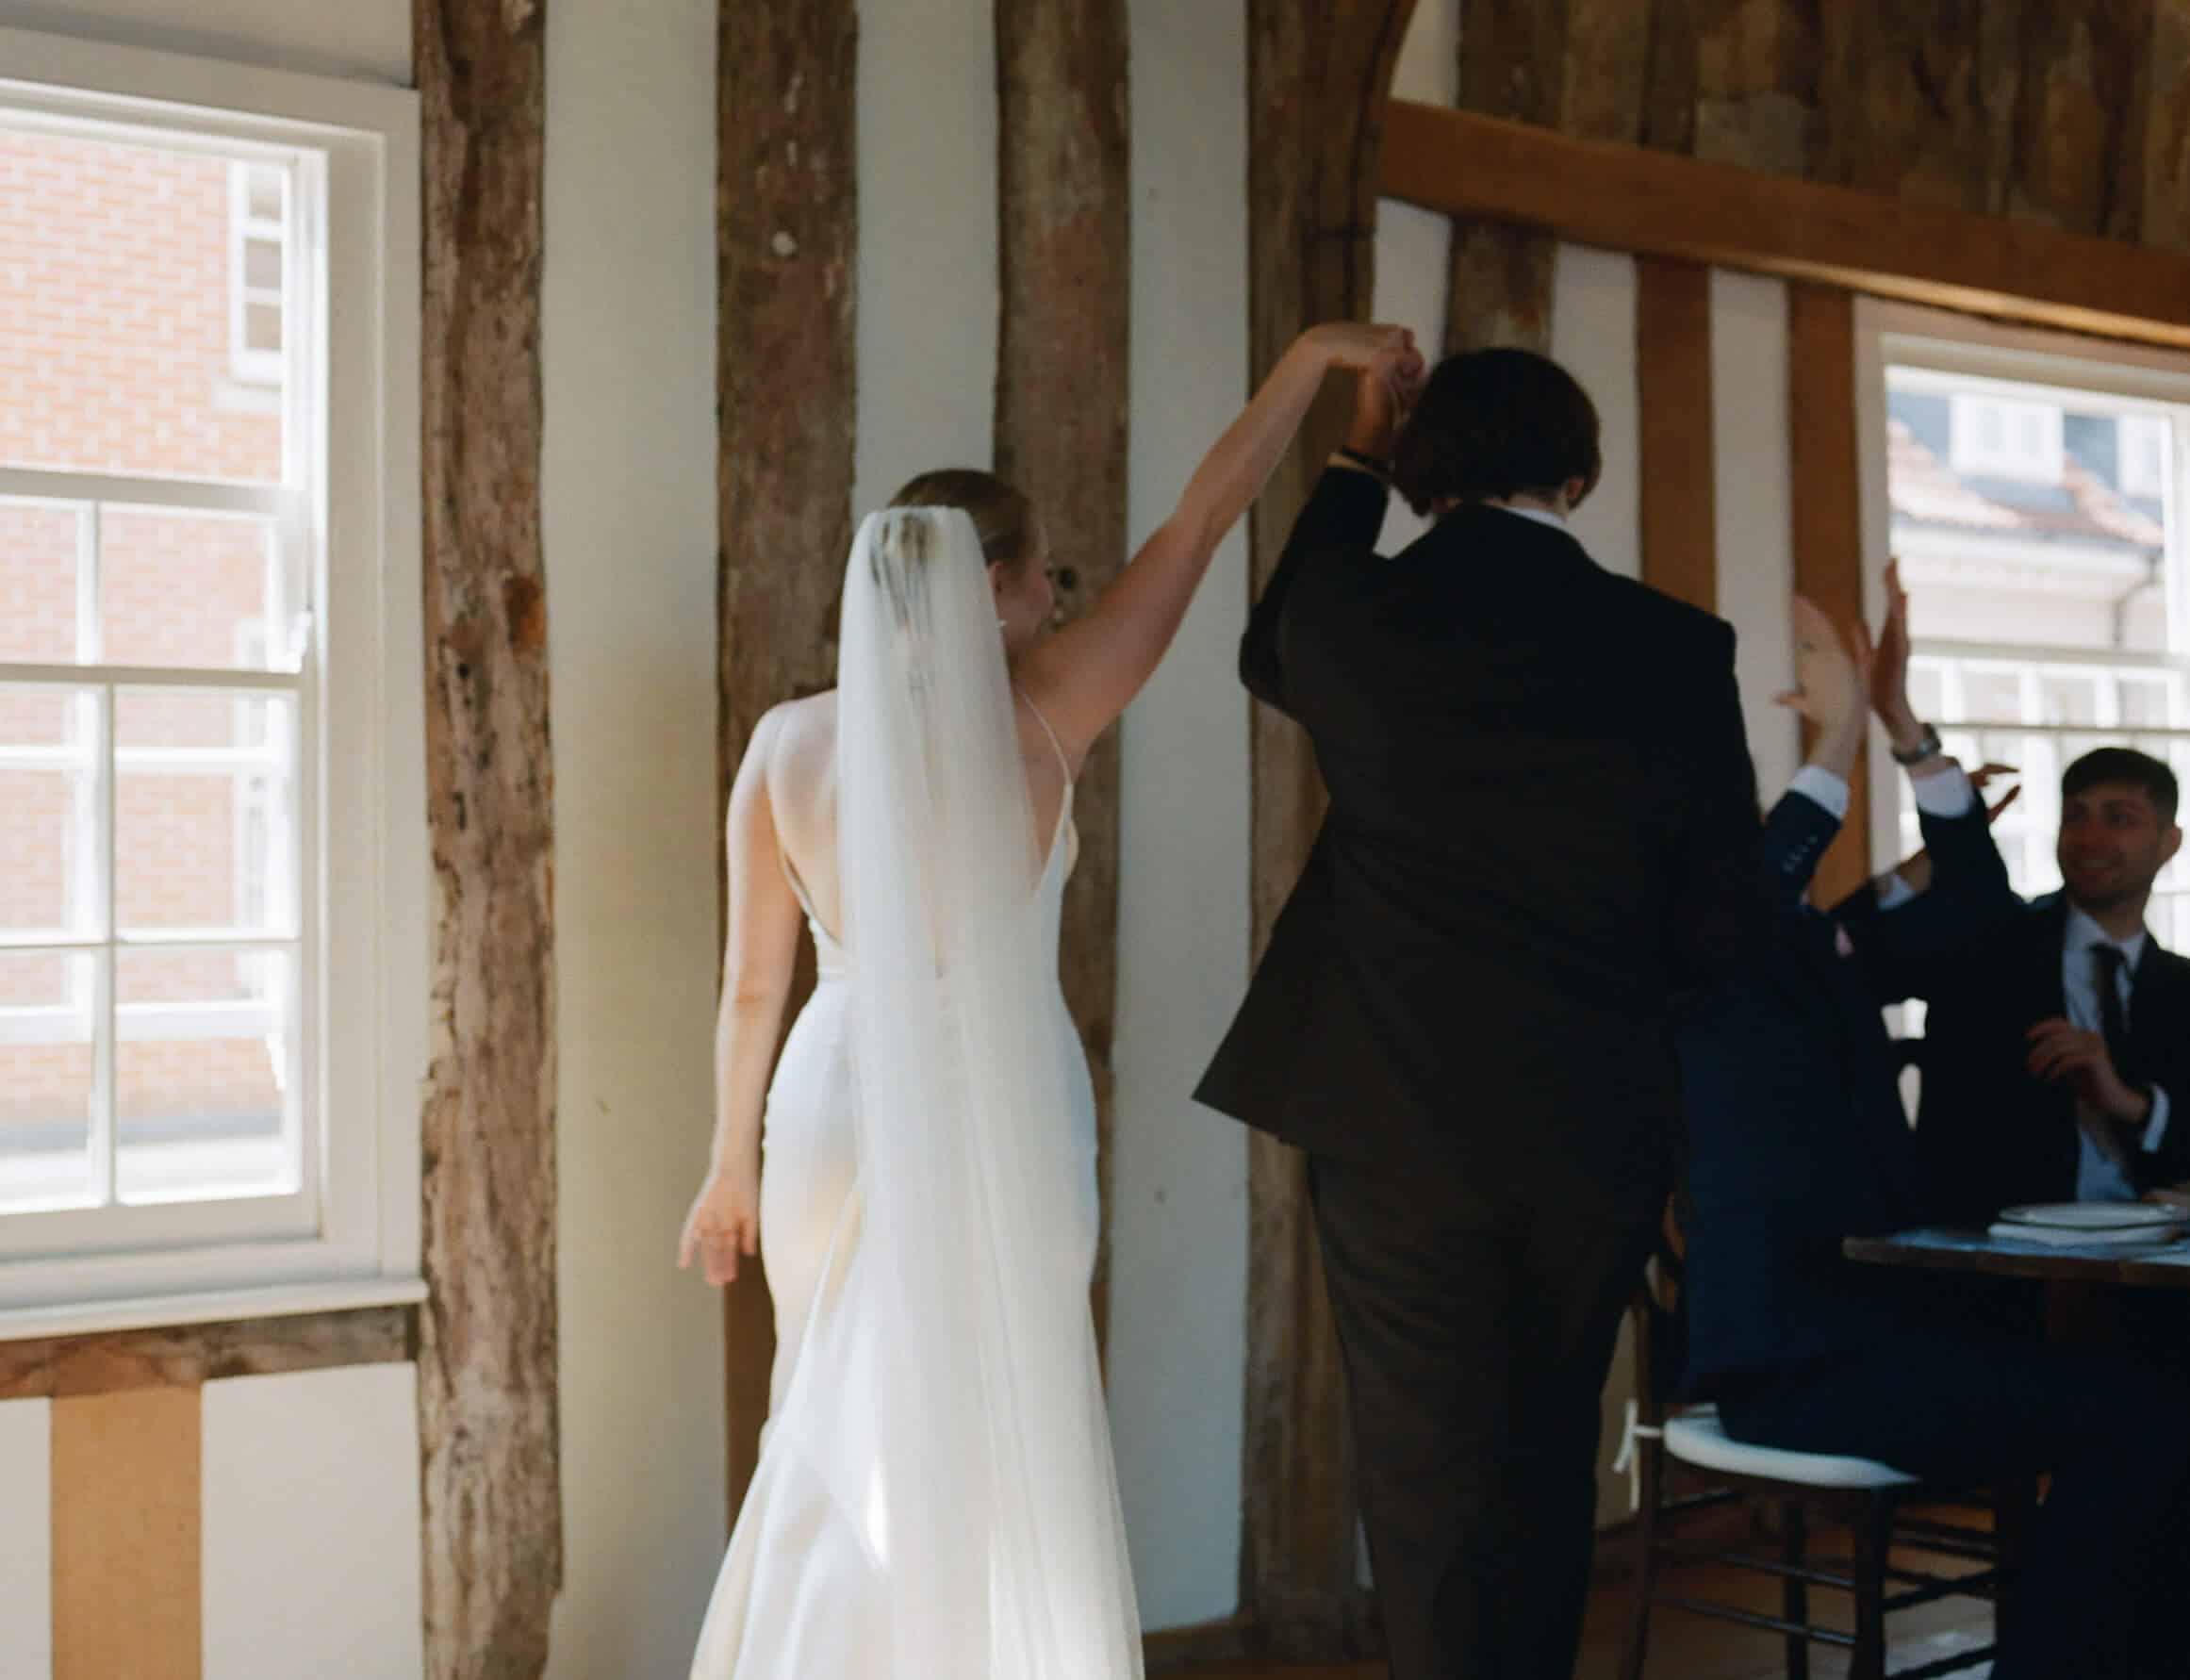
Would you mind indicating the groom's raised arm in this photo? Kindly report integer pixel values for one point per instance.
(1345, 511)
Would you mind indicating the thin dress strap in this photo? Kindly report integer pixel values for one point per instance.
(1064, 759)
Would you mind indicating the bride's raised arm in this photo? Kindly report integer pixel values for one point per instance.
(1085, 675)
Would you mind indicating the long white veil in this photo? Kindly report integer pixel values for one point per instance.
(957, 1405)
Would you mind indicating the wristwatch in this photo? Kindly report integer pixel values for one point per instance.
(1928, 746)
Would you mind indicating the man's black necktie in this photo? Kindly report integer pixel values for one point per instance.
(2107, 964)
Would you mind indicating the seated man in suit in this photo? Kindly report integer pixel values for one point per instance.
(2057, 1046)
(1797, 1138)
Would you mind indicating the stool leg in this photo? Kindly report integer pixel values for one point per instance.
(1794, 1594)
(1873, 1540)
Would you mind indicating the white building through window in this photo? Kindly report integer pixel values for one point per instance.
(1994, 434)
(2048, 608)
(212, 837)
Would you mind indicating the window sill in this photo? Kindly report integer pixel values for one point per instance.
(287, 1300)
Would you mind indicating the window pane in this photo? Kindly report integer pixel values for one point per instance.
(49, 812)
(185, 588)
(204, 829)
(114, 306)
(1992, 696)
(37, 582)
(201, 1074)
(2145, 702)
(47, 1081)
(2069, 698)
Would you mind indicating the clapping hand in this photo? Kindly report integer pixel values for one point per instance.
(1830, 678)
(2062, 1053)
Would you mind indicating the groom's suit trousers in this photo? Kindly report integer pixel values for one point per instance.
(1477, 1315)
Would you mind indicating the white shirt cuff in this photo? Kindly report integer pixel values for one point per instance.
(2156, 1127)
(1893, 892)
(1821, 788)
(1944, 792)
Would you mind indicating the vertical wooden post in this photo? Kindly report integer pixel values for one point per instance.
(487, 1364)
(1679, 465)
(1318, 75)
(1064, 249)
(1828, 519)
(787, 215)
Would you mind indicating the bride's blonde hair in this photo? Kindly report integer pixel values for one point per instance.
(1002, 516)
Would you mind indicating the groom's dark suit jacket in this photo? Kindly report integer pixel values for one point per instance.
(1542, 826)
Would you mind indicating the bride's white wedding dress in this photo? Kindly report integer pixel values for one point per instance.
(935, 1496)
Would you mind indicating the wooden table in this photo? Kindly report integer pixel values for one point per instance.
(2160, 1267)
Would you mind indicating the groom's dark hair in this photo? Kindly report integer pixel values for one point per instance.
(1494, 424)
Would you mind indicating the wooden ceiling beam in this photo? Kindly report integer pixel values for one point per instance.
(1655, 204)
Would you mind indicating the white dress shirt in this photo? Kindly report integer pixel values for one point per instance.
(1543, 516)
(2099, 1177)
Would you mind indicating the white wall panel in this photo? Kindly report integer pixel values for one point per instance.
(1178, 1234)
(1592, 335)
(628, 500)
(1756, 568)
(311, 1526)
(25, 1539)
(927, 243)
(366, 38)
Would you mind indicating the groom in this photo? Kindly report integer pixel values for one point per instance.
(1542, 829)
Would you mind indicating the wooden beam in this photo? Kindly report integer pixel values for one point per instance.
(1654, 205)
(1064, 248)
(487, 1364)
(1679, 464)
(787, 215)
(183, 1356)
(1317, 78)
(1827, 519)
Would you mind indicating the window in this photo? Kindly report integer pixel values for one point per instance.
(2147, 449)
(258, 197)
(2014, 439)
(2048, 612)
(209, 1056)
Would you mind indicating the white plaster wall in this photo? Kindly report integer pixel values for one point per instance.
(628, 502)
(1414, 247)
(1756, 566)
(1178, 1202)
(369, 39)
(926, 323)
(310, 1528)
(27, 1540)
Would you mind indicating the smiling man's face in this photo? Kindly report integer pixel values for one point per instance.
(2113, 846)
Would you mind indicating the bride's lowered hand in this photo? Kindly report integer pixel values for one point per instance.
(725, 1221)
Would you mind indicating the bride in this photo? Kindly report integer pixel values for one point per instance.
(935, 1495)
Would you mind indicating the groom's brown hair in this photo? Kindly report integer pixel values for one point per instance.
(1496, 424)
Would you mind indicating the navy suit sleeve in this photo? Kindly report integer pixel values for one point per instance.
(1345, 511)
(1797, 834)
(1719, 906)
(1905, 952)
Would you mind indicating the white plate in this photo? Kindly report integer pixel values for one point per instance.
(2095, 1216)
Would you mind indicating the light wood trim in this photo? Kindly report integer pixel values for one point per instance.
(1827, 518)
(127, 1593)
(183, 1356)
(1656, 204)
(1679, 464)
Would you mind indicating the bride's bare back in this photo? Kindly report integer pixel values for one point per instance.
(799, 738)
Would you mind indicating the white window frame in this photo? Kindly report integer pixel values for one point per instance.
(2141, 379)
(364, 883)
(2142, 449)
(1970, 452)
